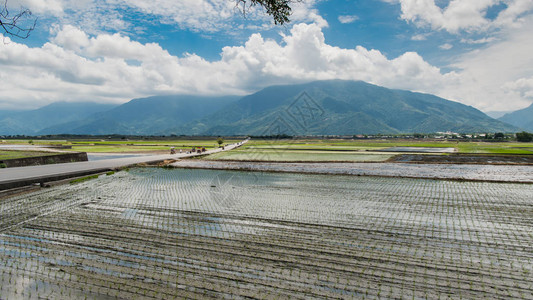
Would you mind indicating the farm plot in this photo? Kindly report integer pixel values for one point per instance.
(298, 156)
(157, 233)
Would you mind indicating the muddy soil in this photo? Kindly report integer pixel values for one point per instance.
(464, 159)
(154, 233)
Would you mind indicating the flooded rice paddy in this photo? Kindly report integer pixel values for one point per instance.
(494, 173)
(419, 149)
(157, 233)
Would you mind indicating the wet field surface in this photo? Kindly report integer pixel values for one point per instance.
(495, 173)
(161, 234)
(483, 159)
(419, 149)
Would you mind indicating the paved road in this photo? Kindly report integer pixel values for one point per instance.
(17, 177)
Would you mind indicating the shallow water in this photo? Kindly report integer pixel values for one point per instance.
(158, 233)
(419, 149)
(499, 173)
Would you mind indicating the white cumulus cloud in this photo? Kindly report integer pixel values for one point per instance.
(463, 15)
(495, 77)
(347, 19)
(305, 11)
(522, 87)
(484, 40)
(446, 46)
(75, 66)
(419, 37)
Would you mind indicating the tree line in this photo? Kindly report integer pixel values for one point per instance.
(524, 137)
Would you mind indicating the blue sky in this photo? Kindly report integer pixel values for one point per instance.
(477, 52)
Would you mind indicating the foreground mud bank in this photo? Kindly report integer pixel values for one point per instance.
(494, 173)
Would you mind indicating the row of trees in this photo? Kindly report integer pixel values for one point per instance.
(524, 137)
(496, 137)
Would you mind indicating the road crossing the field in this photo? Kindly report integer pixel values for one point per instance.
(22, 176)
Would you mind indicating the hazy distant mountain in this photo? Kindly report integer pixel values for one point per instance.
(333, 107)
(145, 116)
(522, 118)
(337, 107)
(32, 121)
(497, 114)
(8, 113)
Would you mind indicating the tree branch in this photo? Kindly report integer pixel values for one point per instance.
(16, 25)
(280, 10)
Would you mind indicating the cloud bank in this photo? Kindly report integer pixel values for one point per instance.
(75, 66)
(463, 15)
(81, 64)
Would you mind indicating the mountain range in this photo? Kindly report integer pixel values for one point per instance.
(337, 107)
(144, 116)
(31, 122)
(521, 118)
(331, 107)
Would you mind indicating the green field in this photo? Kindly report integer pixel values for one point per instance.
(143, 146)
(286, 150)
(300, 155)
(462, 147)
(15, 154)
(124, 146)
(30, 141)
(355, 150)
(119, 148)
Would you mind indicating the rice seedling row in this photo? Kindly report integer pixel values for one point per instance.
(163, 234)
